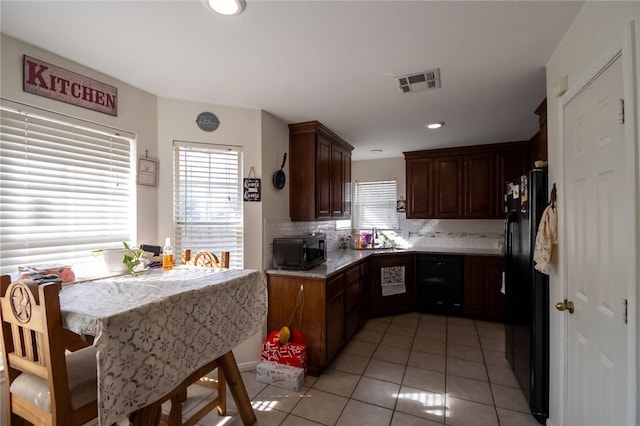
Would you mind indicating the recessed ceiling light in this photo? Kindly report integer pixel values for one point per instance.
(375, 151)
(226, 7)
(434, 125)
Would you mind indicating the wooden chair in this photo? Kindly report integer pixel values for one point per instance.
(179, 395)
(43, 386)
(205, 259)
(226, 363)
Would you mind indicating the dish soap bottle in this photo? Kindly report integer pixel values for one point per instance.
(167, 255)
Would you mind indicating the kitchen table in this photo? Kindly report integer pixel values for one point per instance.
(154, 329)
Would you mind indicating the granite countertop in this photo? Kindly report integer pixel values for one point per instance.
(338, 260)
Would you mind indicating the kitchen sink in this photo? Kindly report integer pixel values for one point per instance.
(390, 248)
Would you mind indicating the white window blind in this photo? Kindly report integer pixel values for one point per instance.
(208, 200)
(375, 205)
(65, 189)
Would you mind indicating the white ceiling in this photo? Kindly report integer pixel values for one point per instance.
(332, 61)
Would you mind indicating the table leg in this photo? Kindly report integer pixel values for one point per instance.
(146, 416)
(222, 393)
(74, 342)
(236, 386)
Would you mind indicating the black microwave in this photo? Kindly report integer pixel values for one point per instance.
(299, 252)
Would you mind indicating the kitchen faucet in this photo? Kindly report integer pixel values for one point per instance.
(374, 236)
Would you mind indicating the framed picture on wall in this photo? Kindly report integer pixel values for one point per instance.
(147, 171)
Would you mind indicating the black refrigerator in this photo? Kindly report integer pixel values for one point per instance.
(527, 291)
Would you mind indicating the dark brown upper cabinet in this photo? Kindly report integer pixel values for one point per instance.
(480, 185)
(420, 185)
(539, 140)
(449, 182)
(320, 169)
(462, 183)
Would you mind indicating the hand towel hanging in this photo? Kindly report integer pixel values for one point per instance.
(546, 238)
(392, 280)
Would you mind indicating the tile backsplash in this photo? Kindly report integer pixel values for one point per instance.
(458, 233)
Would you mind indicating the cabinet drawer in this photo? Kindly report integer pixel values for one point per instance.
(335, 285)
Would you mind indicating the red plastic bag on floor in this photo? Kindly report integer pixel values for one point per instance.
(293, 353)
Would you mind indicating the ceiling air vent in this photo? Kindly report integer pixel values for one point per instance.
(418, 82)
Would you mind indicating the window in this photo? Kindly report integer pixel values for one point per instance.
(66, 188)
(375, 205)
(208, 199)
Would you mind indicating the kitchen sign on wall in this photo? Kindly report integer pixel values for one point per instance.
(252, 187)
(50, 81)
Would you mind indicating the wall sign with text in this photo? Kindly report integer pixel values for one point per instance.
(50, 81)
(207, 121)
(252, 187)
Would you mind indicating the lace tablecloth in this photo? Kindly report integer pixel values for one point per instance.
(154, 329)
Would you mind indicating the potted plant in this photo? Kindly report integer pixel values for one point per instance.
(120, 260)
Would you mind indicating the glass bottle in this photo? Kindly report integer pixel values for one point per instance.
(167, 255)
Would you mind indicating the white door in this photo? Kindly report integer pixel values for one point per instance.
(599, 245)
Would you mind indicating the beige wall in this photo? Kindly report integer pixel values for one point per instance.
(136, 113)
(592, 34)
(383, 169)
(275, 143)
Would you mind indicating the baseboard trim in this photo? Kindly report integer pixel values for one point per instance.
(248, 366)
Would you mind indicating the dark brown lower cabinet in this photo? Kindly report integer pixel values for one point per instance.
(352, 301)
(365, 291)
(334, 310)
(282, 294)
(397, 303)
(335, 319)
(482, 283)
(337, 307)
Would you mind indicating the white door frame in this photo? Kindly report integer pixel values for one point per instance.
(623, 45)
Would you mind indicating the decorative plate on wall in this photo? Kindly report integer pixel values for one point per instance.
(207, 121)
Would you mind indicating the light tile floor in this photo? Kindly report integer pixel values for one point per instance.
(410, 369)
